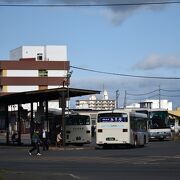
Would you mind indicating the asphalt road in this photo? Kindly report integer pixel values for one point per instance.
(158, 160)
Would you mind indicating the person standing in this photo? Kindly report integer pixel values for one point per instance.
(35, 143)
(14, 137)
(44, 138)
(59, 140)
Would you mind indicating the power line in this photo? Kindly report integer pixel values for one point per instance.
(151, 92)
(140, 99)
(169, 90)
(91, 5)
(170, 95)
(156, 95)
(126, 75)
(143, 93)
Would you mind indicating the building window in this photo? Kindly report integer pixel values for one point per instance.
(0, 72)
(43, 73)
(39, 56)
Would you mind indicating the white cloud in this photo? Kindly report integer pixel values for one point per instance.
(117, 17)
(116, 14)
(156, 61)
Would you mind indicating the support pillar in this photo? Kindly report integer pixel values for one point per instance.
(46, 115)
(7, 124)
(19, 124)
(31, 121)
(63, 106)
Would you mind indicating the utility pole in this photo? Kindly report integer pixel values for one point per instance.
(68, 83)
(159, 97)
(117, 98)
(125, 99)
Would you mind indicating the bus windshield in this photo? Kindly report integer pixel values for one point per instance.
(77, 120)
(159, 119)
(113, 117)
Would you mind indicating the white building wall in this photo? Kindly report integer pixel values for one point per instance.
(31, 51)
(25, 52)
(164, 104)
(56, 53)
(22, 73)
(57, 73)
(15, 54)
(49, 52)
(155, 104)
(35, 73)
(52, 87)
(21, 88)
(170, 106)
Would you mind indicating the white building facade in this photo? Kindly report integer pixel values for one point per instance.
(155, 104)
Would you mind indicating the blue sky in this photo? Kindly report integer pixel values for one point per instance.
(137, 40)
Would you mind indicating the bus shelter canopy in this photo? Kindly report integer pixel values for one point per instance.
(175, 113)
(44, 95)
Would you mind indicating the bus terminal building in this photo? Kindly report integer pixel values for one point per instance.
(34, 80)
(8, 118)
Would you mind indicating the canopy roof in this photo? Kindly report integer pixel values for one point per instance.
(43, 95)
(175, 113)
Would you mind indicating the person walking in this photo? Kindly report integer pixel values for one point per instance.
(35, 143)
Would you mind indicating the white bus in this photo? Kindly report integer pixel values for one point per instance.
(121, 127)
(158, 123)
(77, 129)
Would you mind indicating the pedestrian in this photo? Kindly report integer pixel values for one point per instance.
(59, 140)
(14, 137)
(45, 138)
(35, 143)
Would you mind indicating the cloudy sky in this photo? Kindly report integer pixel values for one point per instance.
(132, 40)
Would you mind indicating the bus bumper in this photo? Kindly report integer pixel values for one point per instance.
(160, 136)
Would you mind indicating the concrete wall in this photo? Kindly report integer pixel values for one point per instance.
(49, 52)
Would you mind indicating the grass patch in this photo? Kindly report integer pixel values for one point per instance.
(2, 171)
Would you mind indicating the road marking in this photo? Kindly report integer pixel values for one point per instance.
(73, 176)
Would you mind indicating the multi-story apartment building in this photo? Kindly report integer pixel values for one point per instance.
(97, 104)
(34, 68)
